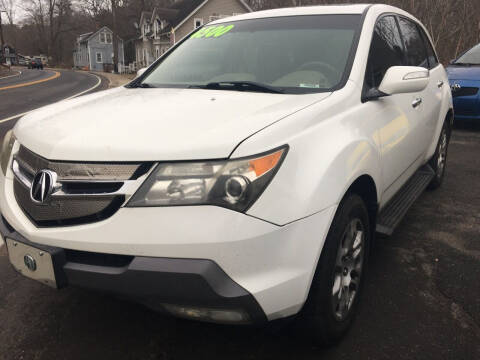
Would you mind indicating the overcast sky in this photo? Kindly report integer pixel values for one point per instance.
(19, 12)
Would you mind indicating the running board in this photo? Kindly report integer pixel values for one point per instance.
(392, 214)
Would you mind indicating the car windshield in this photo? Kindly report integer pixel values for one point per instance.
(471, 57)
(294, 54)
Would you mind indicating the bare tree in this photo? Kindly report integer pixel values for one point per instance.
(9, 7)
(454, 25)
(51, 19)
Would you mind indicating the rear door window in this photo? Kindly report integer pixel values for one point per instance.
(414, 45)
(432, 57)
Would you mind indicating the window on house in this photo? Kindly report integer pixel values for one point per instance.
(157, 52)
(145, 29)
(102, 37)
(198, 22)
(109, 38)
(99, 57)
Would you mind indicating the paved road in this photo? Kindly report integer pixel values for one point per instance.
(35, 94)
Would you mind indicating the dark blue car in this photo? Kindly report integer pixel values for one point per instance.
(464, 76)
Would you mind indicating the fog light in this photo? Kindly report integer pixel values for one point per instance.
(209, 315)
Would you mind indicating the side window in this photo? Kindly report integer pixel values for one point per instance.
(432, 58)
(416, 51)
(386, 51)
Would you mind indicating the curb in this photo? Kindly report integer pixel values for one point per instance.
(9, 76)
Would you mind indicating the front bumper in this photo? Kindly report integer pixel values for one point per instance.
(271, 265)
(158, 283)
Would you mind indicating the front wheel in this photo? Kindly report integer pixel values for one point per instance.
(439, 159)
(337, 284)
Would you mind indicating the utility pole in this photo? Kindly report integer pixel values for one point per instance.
(115, 38)
(2, 41)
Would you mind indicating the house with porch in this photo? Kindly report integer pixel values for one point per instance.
(162, 27)
(8, 54)
(94, 51)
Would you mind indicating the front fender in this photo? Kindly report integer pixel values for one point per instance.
(329, 150)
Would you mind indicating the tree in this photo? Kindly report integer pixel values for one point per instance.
(9, 8)
(51, 18)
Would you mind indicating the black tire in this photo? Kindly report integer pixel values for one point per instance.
(321, 314)
(439, 159)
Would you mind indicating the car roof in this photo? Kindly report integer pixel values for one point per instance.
(302, 10)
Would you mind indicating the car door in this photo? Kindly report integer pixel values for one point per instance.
(435, 89)
(430, 97)
(397, 117)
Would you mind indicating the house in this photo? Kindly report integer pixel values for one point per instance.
(9, 55)
(94, 51)
(161, 28)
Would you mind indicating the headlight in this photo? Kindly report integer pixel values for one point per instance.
(234, 184)
(7, 147)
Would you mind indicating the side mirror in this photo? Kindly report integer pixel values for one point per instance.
(404, 79)
(141, 71)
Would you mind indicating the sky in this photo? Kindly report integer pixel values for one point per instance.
(19, 12)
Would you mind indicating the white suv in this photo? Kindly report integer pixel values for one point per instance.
(243, 176)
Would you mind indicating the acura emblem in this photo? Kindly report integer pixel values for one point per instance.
(30, 262)
(42, 185)
(456, 87)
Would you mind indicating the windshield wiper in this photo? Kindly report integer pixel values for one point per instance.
(142, 85)
(464, 64)
(239, 86)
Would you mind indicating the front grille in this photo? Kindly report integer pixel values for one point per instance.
(65, 210)
(465, 91)
(85, 192)
(33, 163)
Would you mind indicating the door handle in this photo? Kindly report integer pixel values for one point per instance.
(416, 103)
(440, 83)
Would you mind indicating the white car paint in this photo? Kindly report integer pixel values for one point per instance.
(272, 251)
(158, 124)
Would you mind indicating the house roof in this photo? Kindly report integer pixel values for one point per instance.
(88, 36)
(185, 8)
(84, 37)
(195, 6)
(146, 15)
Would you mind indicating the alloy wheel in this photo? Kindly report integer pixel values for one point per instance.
(348, 269)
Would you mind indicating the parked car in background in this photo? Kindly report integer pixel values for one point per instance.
(23, 61)
(307, 131)
(35, 63)
(464, 76)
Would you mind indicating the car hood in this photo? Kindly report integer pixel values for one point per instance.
(463, 72)
(153, 124)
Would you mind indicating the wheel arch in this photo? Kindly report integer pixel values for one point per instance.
(365, 187)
